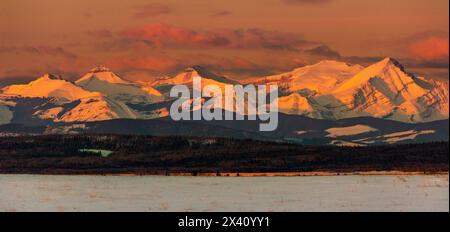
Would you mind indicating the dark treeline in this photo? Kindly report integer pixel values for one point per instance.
(63, 154)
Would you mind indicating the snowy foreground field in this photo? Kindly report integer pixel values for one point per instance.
(160, 193)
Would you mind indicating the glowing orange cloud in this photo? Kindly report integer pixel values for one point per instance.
(147, 63)
(152, 10)
(164, 35)
(432, 48)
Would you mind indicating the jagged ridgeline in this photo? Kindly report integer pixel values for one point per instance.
(381, 103)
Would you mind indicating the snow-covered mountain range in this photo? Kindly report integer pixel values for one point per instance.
(336, 90)
(329, 90)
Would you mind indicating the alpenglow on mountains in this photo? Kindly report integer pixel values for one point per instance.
(327, 91)
(336, 90)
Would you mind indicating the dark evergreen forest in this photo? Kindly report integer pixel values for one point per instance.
(64, 154)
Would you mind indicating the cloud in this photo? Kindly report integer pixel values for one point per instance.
(13, 80)
(240, 67)
(169, 65)
(431, 48)
(235, 66)
(428, 52)
(425, 46)
(323, 51)
(222, 13)
(308, 2)
(39, 50)
(102, 33)
(87, 14)
(152, 10)
(163, 64)
(362, 60)
(163, 35)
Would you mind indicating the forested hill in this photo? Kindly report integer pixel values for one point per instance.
(113, 154)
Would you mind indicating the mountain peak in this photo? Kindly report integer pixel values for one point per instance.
(385, 65)
(186, 77)
(202, 71)
(50, 86)
(330, 66)
(195, 68)
(320, 77)
(388, 70)
(102, 73)
(51, 77)
(391, 61)
(100, 69)
(206, 73)
(332, 62)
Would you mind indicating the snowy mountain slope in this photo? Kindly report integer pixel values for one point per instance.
(103, 80)
(305, 91)
(102, 73)
(320, 78)
(50, 98)
(382, 90)
(49, 86)
(96, 109)
(436, 101)
(297, 104)
(164, 85)
(53, 99)
(327, 90)
(386, 90)
(186, 78)
(5, 114)
(32, 111)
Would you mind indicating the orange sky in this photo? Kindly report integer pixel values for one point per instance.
(141, 39)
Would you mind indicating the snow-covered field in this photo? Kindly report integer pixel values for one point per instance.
(158, 193)
(351, 130)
